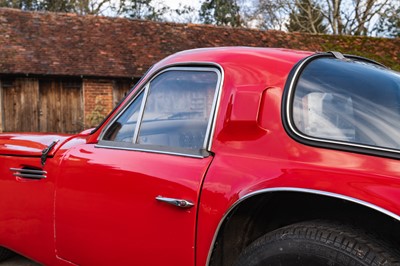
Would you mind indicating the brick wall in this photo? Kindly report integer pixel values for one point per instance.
(127, 48)
(98, 100)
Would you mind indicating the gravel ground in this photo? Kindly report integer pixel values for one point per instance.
(18, 261)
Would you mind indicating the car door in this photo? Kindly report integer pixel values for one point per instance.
(132, 198)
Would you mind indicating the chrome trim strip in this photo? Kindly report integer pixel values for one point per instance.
(216, 103)
(288, 115)
(301, 190)
(141, 113)
(149, 150)
(291, 86)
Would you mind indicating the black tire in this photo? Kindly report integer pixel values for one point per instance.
(5, 253)
(318, 243)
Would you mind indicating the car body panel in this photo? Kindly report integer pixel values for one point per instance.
(114, 203)
(98, 204)
(27, 207)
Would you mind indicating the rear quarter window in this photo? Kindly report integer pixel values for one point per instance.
(345, 102)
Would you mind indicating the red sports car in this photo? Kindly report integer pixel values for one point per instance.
(219, 156)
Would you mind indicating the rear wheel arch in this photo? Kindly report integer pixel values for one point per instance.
(264, 211)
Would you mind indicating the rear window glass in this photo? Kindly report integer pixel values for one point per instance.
(348, 101)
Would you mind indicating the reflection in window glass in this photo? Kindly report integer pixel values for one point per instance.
(123, 129)
(348, 101)
(178, 108)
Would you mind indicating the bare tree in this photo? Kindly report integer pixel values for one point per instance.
(21, 4)
(332, 13)
(182, 14)
(389, 22)
(83, 7)
(220, 12)
(90, 7)
(353, 17)
(140, 9)
(306, 17)
(265, 14)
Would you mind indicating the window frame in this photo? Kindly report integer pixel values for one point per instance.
(205, 151)
(288, 117)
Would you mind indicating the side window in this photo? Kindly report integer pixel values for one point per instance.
(349, 101)
(178, 109)
(174, 113)
(123, 129)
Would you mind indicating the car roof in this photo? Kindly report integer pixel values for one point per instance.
(236, 54)
(241, 65)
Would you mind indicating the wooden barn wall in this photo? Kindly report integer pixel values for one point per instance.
(57, 105)
(61, 106)
(41, 105)
(19, 104)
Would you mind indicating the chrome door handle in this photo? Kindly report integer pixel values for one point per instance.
(181, 203)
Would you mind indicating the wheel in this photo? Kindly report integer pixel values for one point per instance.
(5, 254)
(318, 243)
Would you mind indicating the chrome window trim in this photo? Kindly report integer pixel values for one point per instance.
(185, 66)
(297, 190)
(214, 111)
(151, 151)
(288, 116)
(141, 112)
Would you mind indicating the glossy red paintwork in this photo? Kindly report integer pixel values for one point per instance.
(29, 144)
(116, 204)
(97, 206)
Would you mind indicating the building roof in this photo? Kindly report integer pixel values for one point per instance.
(34, 43)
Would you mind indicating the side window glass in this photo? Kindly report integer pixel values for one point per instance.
(172, 114)
(178, 108)
(123, 129)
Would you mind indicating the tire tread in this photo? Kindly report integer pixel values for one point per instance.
(353, 245)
